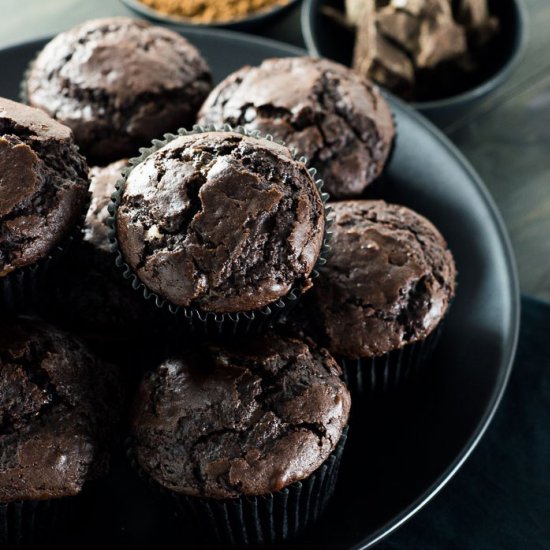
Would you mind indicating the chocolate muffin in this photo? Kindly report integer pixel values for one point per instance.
(220, 222)
(43, 187)
(387, 284)
(244, 420)
(336, 118)
(59, 407)
(118, 83)
(59, 410)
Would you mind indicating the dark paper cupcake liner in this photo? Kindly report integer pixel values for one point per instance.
(260, 520)
(23, 287)
(387, 373)
(198, 322)
(33, 523)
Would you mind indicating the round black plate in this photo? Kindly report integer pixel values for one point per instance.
(399, 455)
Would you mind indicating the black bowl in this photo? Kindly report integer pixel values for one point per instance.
(326, 38)
(245, 23)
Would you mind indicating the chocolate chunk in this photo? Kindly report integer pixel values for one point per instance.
(472, 13)
(411, 46)
(440, 38)
(354, 10)
(377, 57)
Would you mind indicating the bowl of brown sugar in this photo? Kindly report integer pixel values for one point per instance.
(236, 14)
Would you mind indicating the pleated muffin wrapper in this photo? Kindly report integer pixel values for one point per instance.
(210, 324)
(391, 372)
(31, 524)
(257, 520)
(24, 287)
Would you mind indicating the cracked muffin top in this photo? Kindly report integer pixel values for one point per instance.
(118, 83)
(43, 185)
(249, 418)
(59, 407)
(388, 281)
(221, 222)
(334, 117)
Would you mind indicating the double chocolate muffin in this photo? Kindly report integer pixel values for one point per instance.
(243, 420)
(43, 186)
(336, 118)
(59, 407)
(220, 222)
(118, 83)
(249, 419)
(388, 281)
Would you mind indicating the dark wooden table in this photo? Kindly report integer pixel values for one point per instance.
(506, 137)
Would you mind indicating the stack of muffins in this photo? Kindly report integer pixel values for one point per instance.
(207, 279)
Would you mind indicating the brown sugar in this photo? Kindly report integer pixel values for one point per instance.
(212, 11)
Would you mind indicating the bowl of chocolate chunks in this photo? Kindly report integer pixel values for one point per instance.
(441, 56)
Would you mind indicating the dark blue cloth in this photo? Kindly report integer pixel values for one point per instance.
(500, 499)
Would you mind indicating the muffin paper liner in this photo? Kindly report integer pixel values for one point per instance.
(23, 287)
(210, 324)
(389, 372)
(260, 520)
(33, 523)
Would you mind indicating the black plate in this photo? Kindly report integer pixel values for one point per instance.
(402, 454)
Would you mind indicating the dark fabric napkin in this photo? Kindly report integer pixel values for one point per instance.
(501, 497)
